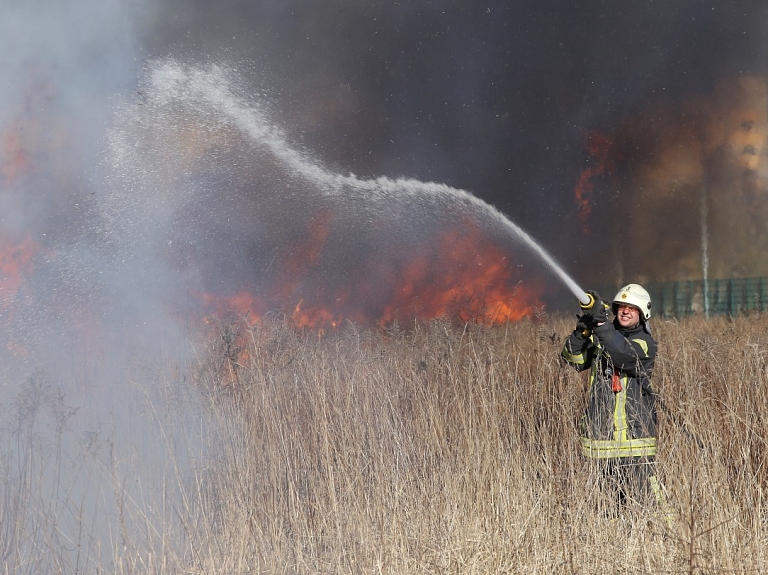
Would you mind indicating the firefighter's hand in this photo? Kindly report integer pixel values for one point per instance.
(584, 325)
(599, 311)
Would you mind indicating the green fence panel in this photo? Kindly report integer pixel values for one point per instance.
(731, 296)
(763, 294)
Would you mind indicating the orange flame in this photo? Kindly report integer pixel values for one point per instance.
(15, 159)
(599, 147)
(460, 274)
(15, 263)
(243, 306)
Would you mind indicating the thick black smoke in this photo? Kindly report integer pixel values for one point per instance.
(495, 99)
(489, 97)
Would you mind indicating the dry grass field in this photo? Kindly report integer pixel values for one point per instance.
(432, 449)
(454, 450)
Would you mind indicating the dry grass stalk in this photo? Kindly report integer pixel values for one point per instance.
(441, 449)
(455, 450)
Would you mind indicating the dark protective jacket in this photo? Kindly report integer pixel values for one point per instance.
(620, 419)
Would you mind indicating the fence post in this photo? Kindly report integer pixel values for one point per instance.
(721, 306)
(689, 298)
(751, 294)
(763, 294)
(732, 301)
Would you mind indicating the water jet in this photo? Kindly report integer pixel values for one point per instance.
(210, 91)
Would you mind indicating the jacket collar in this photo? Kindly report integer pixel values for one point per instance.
(629, 331)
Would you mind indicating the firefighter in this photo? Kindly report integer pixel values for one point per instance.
(618, 429)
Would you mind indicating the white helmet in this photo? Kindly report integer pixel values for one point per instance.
(635, 295)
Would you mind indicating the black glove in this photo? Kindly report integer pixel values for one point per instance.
(583, 326)
(598, 313)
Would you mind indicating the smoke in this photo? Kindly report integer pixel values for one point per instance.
(130, 211)
(673, 163)
(323, 175)
(87, 371)
(245, 215)
(61, 67)
(123, 211)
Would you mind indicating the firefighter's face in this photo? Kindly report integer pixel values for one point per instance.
(628, 316)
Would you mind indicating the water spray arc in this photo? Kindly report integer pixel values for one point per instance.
(209, 89)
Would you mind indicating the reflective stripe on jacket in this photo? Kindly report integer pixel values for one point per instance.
(616, 423)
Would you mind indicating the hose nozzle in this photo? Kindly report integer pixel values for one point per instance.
(589, 303)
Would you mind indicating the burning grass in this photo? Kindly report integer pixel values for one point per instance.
(455, 450)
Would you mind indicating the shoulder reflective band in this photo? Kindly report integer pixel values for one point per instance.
(642, 343)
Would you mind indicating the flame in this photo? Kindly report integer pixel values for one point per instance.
(15, 264)
(242, 306)
(458, 273)
(303, 256)
(32, 131)
(315, 317)
(14, 160)
(600, 147)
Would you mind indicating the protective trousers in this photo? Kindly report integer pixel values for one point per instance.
(633, 480)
